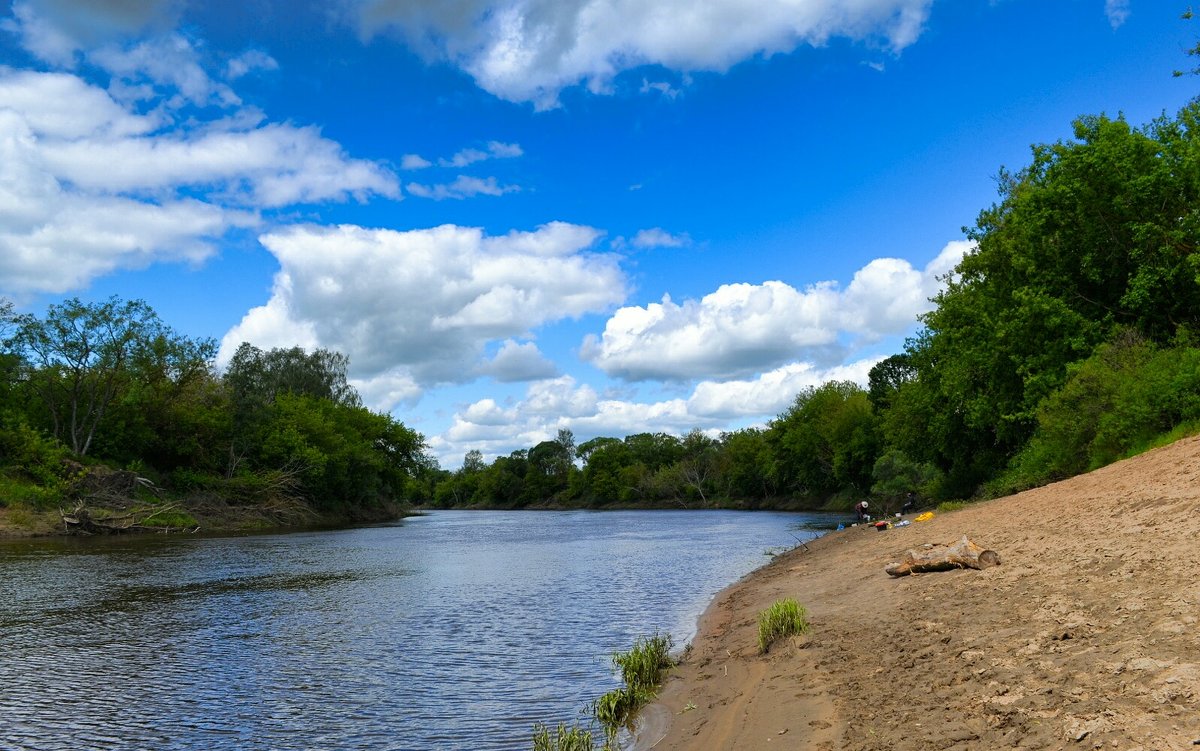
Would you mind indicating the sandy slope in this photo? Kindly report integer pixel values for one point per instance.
(1085, 637)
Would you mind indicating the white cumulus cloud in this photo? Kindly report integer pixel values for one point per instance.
(730, 331)
(770, 393)
(96, 179)
(743, 329)
(529, 50)
(519, 362)
(423, 305)
(553, 404)
(55, 30)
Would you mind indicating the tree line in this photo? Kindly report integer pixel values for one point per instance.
(110, 384)
(1066, 339)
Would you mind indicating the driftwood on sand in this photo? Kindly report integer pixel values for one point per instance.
(930, 557)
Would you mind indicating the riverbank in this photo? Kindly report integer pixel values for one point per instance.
(209, 516)
(1085, 636)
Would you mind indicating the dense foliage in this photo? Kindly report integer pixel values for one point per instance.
(111, 384)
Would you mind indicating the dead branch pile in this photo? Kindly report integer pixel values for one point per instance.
(82, 521)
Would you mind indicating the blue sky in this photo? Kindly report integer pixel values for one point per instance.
(515, 216)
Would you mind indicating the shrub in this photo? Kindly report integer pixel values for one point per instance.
(1123, 398)
(31, 453)
(784, 618)
(15, 491)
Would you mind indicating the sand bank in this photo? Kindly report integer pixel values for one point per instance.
(1086, 635)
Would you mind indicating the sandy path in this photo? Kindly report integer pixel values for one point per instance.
(1085, 637)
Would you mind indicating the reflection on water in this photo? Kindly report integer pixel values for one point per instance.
(456, 630)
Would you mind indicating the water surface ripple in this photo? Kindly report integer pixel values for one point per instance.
(456, 630)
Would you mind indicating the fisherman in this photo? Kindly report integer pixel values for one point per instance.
(860, 508)
(910, 503)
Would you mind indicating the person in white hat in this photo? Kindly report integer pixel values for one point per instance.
(860, 508)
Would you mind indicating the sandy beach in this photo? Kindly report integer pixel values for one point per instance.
(1084, 637)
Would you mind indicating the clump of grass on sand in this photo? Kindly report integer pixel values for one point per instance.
(643, 666)
(642, 671)
(784, 618)
(564, 738)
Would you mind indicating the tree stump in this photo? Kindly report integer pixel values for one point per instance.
(930, 557)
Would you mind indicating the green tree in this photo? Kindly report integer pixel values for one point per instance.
(746, 466)
(886, 377)
(604, 458)
(697, 467)
(346, 456)
(473, 462)
(826, 442)
(173, 411)
(257, 377)
(82, 356)
(896, 475)
(1096, 233)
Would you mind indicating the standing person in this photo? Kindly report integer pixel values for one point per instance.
(860, 508)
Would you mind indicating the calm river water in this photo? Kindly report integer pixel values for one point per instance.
(456, 630)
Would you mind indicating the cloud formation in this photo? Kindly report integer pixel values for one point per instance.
(95, 179)
(884, 297)
(465, 157)
(463, 186)
(418, 308)
(517, 362)
(562, 402)
(657, 237)
(56, 30)
(1117, 12)
(743, 329)
(529, 50)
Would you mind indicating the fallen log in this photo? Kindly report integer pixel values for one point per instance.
(930, 557)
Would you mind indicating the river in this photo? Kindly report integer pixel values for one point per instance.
(456, 630)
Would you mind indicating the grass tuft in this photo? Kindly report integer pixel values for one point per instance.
(784, 618)
(615, 709)
(642, 667)
(564, 738)
(641, 671)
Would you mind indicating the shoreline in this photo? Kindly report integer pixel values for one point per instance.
(47, 524)
(1087, 634)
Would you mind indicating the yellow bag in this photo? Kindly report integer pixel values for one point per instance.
(925, 516)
